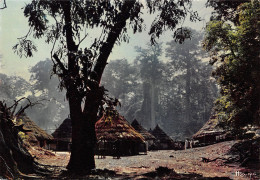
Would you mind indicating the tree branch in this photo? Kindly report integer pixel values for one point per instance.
(25, 37)
(81, 40)
(5, 6)
(66, 6)
(56, 37)
(14, 106)
(64, 70)
(30, 104)
(113, 35)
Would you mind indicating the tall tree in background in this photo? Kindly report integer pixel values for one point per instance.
(150, 74)
(193, 79)
(80, 71)
(170, 93)
(53, 108)
(236, 49)
(120, 80)
(183, 59)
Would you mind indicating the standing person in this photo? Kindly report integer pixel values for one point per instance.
(114, 150)
(118, 149)
(186, 144)
(101, 148)
(191, 143)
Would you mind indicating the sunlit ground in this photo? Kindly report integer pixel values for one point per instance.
(189, 161)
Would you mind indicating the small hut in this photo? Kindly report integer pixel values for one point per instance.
(62, 136)
(209, 133)
(149, 138)
(36, 135)
(117, 137)
(163, 141)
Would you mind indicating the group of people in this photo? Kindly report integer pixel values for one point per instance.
(101, 149)
(188, 144)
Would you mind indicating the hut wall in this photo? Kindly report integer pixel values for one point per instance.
(121, 148)
(143, 147)
(207, 139)
(164, 146)
(150, 142)
(63, 146)
(53, 146)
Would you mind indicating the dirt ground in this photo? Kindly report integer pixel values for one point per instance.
(183, 161)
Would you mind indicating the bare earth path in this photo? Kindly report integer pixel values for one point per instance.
(189, 161)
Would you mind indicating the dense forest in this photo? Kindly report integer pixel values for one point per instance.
(179, 84)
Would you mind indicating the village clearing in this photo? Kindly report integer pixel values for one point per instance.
(182, 162)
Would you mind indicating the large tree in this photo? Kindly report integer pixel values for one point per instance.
(235, 50)
(195, 92)
(150, 75)
(184, 59)
(63, 23)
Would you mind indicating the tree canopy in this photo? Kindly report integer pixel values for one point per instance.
(235, 50)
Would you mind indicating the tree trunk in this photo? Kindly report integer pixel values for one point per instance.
(83, 126)
(153, 105)
(187, 95)
(81, 159)
(146, 106)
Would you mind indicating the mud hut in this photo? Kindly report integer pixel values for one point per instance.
(163, 141)
(149, 138)
(62, 136)
(118, 137)
(35, 135)
(209, 133)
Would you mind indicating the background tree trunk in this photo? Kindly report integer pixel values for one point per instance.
(153, 104)
(187, 94)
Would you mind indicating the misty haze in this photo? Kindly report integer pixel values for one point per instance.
(129, 89)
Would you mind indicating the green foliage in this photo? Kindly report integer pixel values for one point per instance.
(22, 135)
(225, 10)
(235, 52)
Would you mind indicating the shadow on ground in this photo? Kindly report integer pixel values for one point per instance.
(162, 173)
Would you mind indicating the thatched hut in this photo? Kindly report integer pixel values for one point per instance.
(209, 133)
(118, 137)
(163, 141)
(149, 138)
(62, 136)
(36, 135)
(15, 160)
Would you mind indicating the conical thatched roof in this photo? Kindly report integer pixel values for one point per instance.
(161, 135)
(147, 136)
(210, 128)
(36, 134)
(116, 128)
(64, 131)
